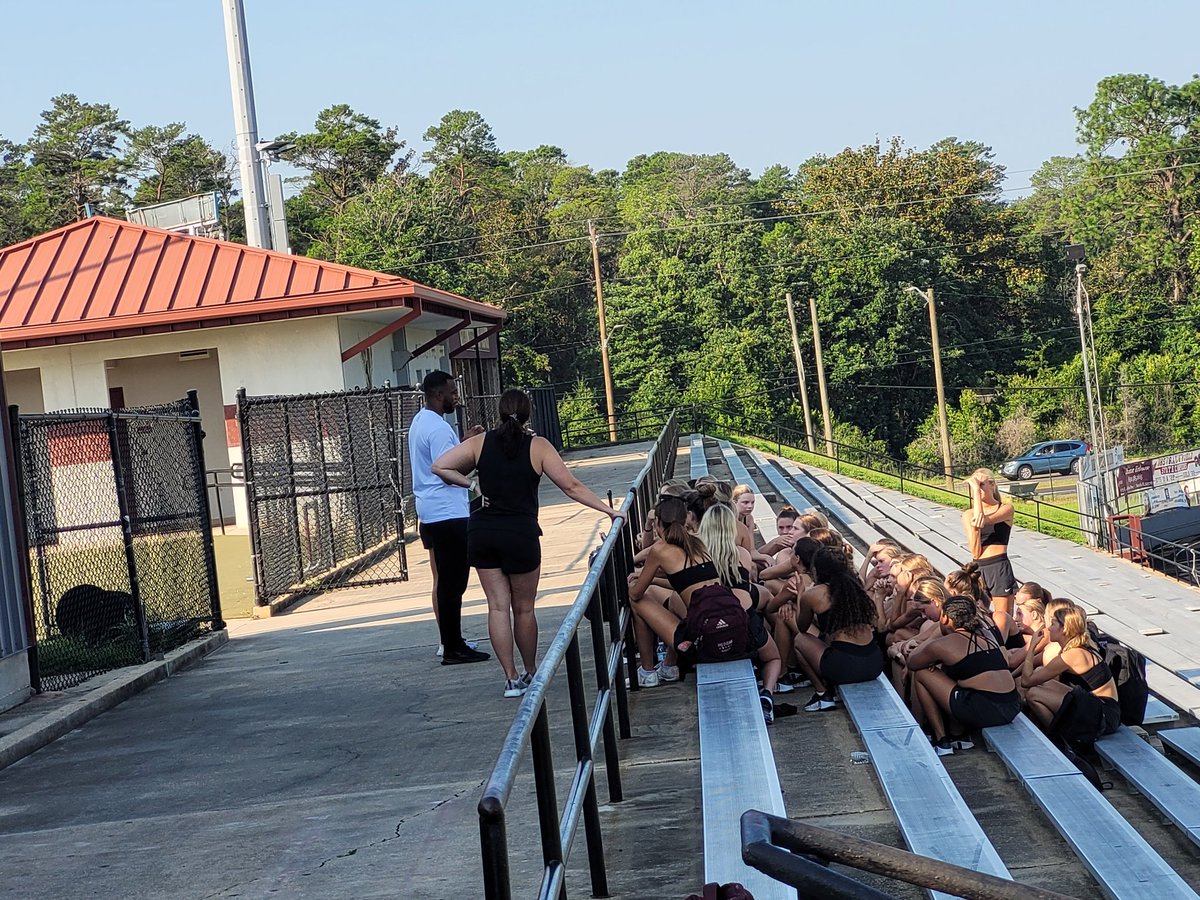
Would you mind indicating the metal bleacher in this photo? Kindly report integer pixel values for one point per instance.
(1122, 862)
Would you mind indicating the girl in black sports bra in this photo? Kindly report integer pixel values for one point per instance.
(689, 568)
(973, 684)
(988, 525)
(1074, 695)
(847, 651)
(968, 582)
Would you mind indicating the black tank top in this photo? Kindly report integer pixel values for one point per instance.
(508, 483)
(995, 535)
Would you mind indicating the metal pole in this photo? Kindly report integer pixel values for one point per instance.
(135, 587)
(248, 481)
(1097, 450)
(608, 382)
(808, 429)
(583, 754)
(206, 532)
(812, 308)
(943, 426)
(245, 124)
(547, 799)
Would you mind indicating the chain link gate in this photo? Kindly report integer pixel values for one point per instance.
(119, 534)
(326, 482)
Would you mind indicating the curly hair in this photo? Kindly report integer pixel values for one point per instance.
(849, 604)
(829, 538)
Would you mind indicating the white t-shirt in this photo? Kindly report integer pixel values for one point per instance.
(429, 437)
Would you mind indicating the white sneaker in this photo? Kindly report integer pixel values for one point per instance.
(515, 688)
(442, 650)
(667, 673)
(647, 679)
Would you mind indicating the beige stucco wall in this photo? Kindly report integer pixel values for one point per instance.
(286, 357)
(23, 387)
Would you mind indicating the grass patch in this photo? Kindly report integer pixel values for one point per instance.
(1056, 520)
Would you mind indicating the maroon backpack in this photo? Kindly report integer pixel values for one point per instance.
(717, 625)
(731, 891)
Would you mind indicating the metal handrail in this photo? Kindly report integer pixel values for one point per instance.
(797, 854)
(601, 599)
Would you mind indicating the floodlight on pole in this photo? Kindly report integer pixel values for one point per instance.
(935, 337)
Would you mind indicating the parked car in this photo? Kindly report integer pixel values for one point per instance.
(1044, 458)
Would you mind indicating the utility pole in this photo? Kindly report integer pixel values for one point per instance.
(935, 337)
(246, 124)
(827, 421)
(808, 429)
(608, 383)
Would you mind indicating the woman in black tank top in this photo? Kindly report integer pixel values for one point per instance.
(503, 537)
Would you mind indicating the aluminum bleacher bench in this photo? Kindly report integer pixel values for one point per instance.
(764, 516)
(933, 817)
(1158, 779)
(737, 771)
(699, 463)
(1120, 860)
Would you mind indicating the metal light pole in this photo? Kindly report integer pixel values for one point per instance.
(824, 391)
(608, 382)
(246, 124)
(1083, 312)
(943, 424)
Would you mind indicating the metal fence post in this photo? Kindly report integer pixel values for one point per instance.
(547, 798)
(206, 534)
(135, 588)
(583, 755)
(22, 523)
(248, 479)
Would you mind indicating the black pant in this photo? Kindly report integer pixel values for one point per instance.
(447, 543)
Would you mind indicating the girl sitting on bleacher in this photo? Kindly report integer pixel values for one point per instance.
(690, 569)
(968, 582)
(847, 651)
(929, 595)
(964, 673)
(1073, 697)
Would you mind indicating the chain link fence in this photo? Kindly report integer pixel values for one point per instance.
(120, 536)
(326, 482)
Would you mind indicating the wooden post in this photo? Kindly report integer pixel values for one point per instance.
(808, 428)
(812, 308)
(943, 427)
(608, 383)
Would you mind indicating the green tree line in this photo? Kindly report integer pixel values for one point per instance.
(697, 255)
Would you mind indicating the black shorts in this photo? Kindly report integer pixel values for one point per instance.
(434, 534)
(513, 548)
(984, 709)
(998, 576)
(846, 663)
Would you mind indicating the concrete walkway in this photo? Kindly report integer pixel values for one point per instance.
(322, 753)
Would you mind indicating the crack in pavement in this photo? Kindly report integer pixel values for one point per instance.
(399, 825)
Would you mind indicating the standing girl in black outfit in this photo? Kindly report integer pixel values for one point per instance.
(503, 537)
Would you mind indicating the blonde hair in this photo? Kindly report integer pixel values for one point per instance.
(917, 566)
(740, 489)
(1035, 600)
(817, 514)
(718, 531)
(931, 589)
(1073, 622)
(1054, 606)
(988, 475)
(891, 552)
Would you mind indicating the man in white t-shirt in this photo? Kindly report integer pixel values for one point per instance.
(443, 511)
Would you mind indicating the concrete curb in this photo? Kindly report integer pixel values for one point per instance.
(56, 723)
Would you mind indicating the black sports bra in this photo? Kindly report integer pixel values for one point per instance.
(685, 578)
(1094, 678)
(995, 535)
(977, 661)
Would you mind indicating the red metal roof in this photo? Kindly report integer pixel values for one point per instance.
(104, 278)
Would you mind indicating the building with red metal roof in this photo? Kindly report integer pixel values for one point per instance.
(108, 313)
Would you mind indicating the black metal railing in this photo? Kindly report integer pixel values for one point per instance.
(601, 600)
(798, 855)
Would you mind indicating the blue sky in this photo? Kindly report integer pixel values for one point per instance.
(764, 82)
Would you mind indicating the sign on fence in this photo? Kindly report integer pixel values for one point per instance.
(1158, 472)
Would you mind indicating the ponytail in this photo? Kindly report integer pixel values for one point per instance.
(514, 409)
(671, 514)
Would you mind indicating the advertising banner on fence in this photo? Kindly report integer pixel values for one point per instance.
(1158, 472)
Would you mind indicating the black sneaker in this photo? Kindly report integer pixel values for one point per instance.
(768, 706)
(465, 655)
(962, 742)
(795, 679)
(943, 747)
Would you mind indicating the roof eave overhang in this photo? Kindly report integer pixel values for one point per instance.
(383, 296)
